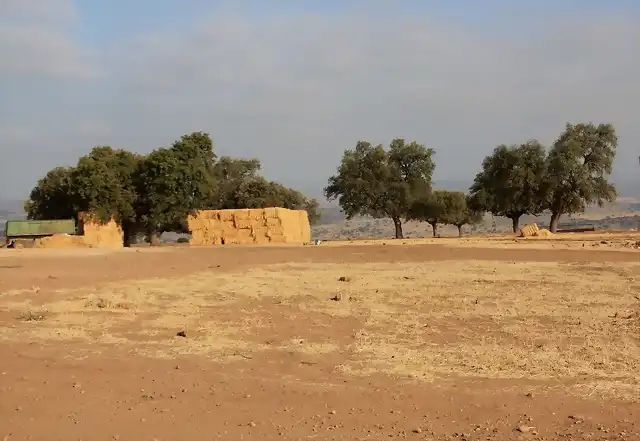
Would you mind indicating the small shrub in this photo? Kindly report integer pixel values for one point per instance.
(182, 240)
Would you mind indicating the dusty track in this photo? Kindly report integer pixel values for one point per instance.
(93, 388)
(57, 268)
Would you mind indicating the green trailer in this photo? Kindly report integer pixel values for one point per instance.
(24, 232)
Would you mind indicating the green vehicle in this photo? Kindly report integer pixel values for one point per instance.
(20, 233)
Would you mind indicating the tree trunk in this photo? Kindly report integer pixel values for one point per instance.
(153, 237)
(459, 230)
(555, 220)
(516, 223)
(398, 224)
(434, 227)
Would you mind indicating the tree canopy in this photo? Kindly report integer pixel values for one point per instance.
(154, 193)
(51, 197)
(382, 183)
(444, 207)
(512, 182)
(578, 168)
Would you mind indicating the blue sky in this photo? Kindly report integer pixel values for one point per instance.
(294, 83)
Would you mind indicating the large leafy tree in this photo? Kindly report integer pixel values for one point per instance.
(578, 168)
(50, 198)
(103, 183)
(444, 207)
(154, 193)
(174, 181)
(459, 211)
(431, 208)
(511, 183)
(230, 174)
(382, 183)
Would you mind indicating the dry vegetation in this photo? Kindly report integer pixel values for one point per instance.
(571, 325)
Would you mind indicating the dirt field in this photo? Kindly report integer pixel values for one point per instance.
(449, 341)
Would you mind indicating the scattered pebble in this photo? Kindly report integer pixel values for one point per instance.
(181, 334)
(525, 429)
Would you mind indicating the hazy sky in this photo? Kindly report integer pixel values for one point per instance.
(294, 83)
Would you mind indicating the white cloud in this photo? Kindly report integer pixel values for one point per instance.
(40, 53)
(297, 90)
(38, 10)
(303, 88)
(36, 42)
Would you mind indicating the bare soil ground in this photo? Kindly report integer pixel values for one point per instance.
(422, 342)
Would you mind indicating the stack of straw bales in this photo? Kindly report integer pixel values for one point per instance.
(249, 226)
(97, 234)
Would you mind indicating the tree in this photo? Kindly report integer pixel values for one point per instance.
(431, 209)
(230, 174)
(50, 198)
(103, 183)
(258, 192)
(378, 183)
(459, 211)
(577, 169)
(173, 182)
(511, 183)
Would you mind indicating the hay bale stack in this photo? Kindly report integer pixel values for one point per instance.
(97, 234)
(249, 226)
(529, 230)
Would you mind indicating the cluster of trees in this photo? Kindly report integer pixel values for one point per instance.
(154, 193)
(515, 180)
(151, 194)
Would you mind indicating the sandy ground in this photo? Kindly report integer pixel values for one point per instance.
(484, 341)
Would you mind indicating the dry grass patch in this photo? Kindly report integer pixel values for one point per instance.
(574, 323)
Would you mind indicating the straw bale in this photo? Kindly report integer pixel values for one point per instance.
(259, 231)
(277, 238)
(242, 224)
(543, 232)
(271, 212)
(256, 213)
(305, 228)
(241, 214)
(224, 215)
(529, 230)
(261, 240)
(275, 231)
(60, 241)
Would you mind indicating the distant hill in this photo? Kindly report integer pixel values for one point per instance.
(10, 208)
